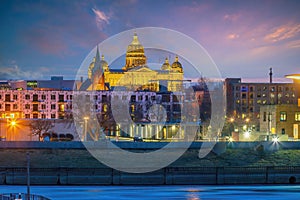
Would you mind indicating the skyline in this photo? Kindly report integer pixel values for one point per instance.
(244, 39)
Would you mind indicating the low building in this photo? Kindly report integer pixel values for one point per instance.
(280, 120)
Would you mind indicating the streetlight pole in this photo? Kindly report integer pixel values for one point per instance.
(85, 128)
(28, 176)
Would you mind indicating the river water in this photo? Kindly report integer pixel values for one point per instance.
(263, 192)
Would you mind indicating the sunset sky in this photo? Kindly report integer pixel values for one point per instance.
(244, 38)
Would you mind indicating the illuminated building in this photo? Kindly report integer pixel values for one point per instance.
(280, 120)
(135, 74)
(245, 99)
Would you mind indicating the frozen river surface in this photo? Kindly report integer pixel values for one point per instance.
(290, 192)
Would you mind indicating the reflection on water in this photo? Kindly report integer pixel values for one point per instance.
(256, 192)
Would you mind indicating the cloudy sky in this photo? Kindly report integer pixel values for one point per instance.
(245, 38)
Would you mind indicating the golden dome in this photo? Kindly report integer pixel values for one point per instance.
(177, 65)
(135, 45)
(166, 65)
(104, 64)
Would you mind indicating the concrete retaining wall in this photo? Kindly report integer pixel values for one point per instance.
(166, 176)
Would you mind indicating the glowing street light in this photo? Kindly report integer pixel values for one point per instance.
(247, 134)
(13, 123)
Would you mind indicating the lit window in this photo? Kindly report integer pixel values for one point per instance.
(297, 116)
(282, 116)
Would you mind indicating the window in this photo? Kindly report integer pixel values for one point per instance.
(15, 106)
(15, 97)
(27, 116)
(53, 116)
(43, 97)
(27, 96)
(7, 107)
(272, 89)
(53, 97)
(27, 106)
(282, 116)
(265, 116)
(104, 108)
(43, 116)
(297, 116)
(7, 97)
(52, 106)
(35, 116)
(244, 95)
(61, 98)
(35, 107)
(61, 108)
(43, 106)
(132, 98)
(264, 88)
(35, 97)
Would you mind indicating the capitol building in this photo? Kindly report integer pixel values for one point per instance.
(135, 74)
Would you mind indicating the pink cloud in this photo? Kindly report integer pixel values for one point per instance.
(233, 36)
(294, 44)
(231, 17)
(101, 18)
(283, 32)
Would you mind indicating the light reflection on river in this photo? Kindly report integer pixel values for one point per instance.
(273, 192)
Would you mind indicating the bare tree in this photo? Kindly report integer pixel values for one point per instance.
(40, 126)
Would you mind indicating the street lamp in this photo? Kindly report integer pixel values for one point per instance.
(85, 128)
